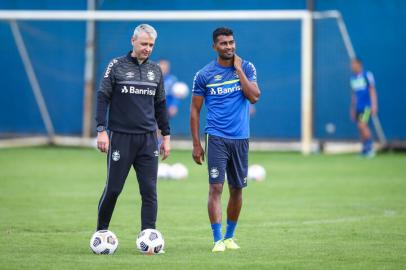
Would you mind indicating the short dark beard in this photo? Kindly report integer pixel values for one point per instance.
(225, 57)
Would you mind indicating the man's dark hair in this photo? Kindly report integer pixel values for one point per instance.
(221, 31)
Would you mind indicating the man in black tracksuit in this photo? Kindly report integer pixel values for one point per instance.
(133, 94)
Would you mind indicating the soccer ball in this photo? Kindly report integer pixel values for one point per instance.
(164, 171)
(150, 241)
(180, 90)
(178, 171)
(103, 242)
(256, 173)
(330, 128)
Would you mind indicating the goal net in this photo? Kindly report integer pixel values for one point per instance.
(56, 59)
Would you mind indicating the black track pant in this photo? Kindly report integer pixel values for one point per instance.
(141, 152)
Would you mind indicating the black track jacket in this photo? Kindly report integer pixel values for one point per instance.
(135, 96)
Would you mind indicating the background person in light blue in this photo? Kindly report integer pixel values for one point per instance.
(227, 85)
(364, 104)
(172, 102)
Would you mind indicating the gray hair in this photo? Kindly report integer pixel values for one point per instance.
(146, 28)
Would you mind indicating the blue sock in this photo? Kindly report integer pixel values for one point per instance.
(366, 146)
(230, 229)
(369, 145)
(216, 228)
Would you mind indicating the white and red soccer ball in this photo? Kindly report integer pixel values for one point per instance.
(104, 242)
(256, 172)
(150, 241)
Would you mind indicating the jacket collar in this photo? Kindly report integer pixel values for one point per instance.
(134, 59)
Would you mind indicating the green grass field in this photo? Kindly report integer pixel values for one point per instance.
(317, 212)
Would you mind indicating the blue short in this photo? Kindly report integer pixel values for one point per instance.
(227, 156)
(363, 115)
